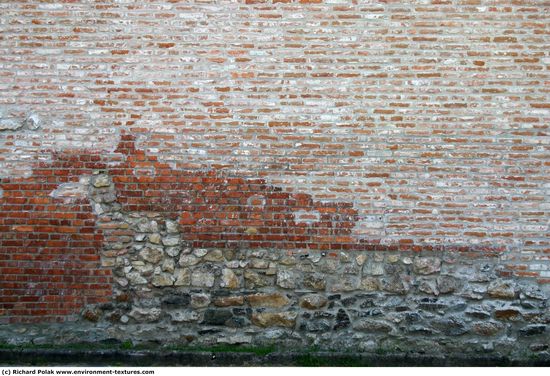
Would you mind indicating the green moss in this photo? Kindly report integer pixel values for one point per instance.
(223, 348)
(310, 360)
(68, 346)
(127, 345)
(381, 351)
(4, 346)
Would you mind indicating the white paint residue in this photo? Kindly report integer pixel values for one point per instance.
(72, 191)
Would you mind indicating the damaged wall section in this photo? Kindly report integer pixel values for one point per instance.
(126, 245)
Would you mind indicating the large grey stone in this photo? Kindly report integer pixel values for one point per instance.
(229, 279)
(447, 284)
(184, 316)
(200, 300)
(168, 265)
(171, 241)
(319, 326)
(451, 326)
(396, 285)
(344, 283)
(172, 227)
(32, 122)
(154, 238)
(256, 263)
(534, 292)
(315, 281)
(182, 277)
(370, 284)
(188, 260)
(254, 279)
(145, 314)
(428, 286)
(372, 326)
(100, 181)
(215, 255)
(172, 251)
(145, 225)
(162, 280)
(287, 279)
(135, 278)
(70, 191)
(374, 269)
(151, 254)
(313, 301)
(201, 278)
(426, 265)
(235, 339)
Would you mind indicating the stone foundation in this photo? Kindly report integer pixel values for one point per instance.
(433, 303)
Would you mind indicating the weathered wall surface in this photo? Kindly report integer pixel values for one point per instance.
(366, 174)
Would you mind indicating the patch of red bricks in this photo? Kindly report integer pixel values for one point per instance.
(220, 211)
(49, 259)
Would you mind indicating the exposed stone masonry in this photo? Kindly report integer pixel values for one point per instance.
(369, 301)
(168, 290)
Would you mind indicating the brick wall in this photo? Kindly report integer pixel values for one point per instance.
(318, 125)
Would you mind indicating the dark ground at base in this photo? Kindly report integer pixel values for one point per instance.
(39, 357)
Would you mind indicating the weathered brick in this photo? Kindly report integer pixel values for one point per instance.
(425, 132)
